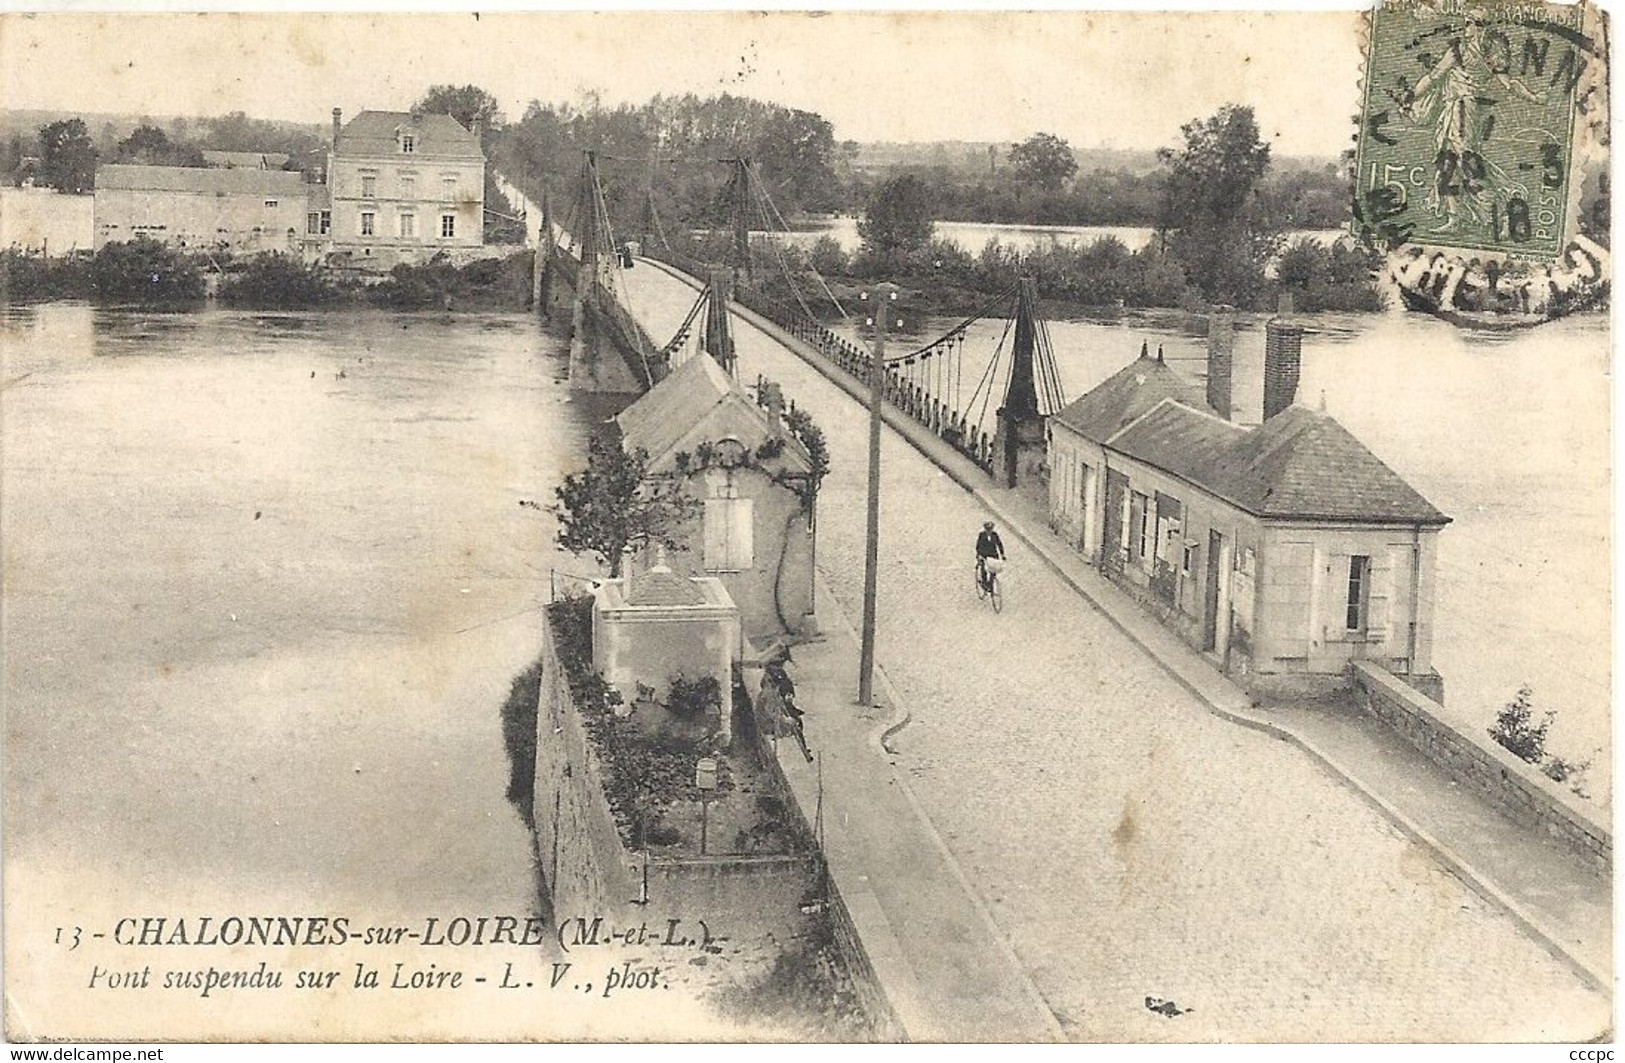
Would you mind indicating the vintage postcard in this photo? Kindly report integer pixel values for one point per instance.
(852, 526)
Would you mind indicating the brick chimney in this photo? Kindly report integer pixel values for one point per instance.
(338, 116)
(773, 398)
(1221, 359)
(1283, 358)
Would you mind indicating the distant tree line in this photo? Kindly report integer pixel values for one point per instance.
(64, 155)
(1220, 236)
(676, 146)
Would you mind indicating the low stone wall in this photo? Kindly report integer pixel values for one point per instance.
(849, 944)
(1476, 760)
(591, 873)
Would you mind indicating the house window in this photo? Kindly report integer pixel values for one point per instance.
(270, 204)
(369, 186)
(448, 225)
(1142, 526)
(1359, 591)
(1188, 560)
(409, 186)
(327, 222)
(409, 225)
(448, 188)
(729, 542)
(313, 223)
(367, 217)
(409, 143)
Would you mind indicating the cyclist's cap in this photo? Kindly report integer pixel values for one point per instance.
(988, 525)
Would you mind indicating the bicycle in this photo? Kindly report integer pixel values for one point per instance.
(987, 582)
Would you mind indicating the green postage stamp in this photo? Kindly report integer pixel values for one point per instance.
(1469, 124)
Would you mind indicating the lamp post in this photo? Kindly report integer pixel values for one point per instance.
(885, 294)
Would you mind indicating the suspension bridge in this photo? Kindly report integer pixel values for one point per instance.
(996, 416)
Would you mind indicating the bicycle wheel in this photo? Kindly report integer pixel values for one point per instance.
(996, 592)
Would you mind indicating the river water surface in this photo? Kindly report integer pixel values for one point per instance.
(267, 581)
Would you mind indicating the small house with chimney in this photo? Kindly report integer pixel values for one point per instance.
(755, 483)
(1283, 550)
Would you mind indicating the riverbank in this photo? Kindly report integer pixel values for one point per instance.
(1074, 280)
(148, 274)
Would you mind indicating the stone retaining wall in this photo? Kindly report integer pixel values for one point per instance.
(1473, 758)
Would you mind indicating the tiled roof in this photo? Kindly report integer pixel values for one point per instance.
(664, 415)
(660, 586)
(700, 393)
(1128, 394)
(1298, 465)
(1301, 463)
(375, 133)
(199, 179)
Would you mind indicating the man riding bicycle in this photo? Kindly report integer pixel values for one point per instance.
(988, 544)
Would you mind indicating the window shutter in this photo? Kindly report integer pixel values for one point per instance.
(716, 534)
(1382, 590)
(741, 540)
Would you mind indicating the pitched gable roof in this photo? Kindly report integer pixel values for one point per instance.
(1128, 394)
(131, 178)
(1298, 465)
(700, 402)
(375, 133)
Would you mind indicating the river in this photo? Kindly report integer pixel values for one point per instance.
(972, 236)
(267, 580)
(1508, 433)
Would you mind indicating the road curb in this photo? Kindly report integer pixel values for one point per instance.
(900, 718)
(1453, 862)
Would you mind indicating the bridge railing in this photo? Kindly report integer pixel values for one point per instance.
(648, 362)
(947, 424)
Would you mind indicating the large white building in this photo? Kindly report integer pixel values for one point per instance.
(197, 208)
(400, 186)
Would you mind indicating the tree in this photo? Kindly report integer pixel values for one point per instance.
(1044, 161)
(608, 506)
(795, 153)
(1223, 236)
(471, 105)
(898, 220)
(67, 156)
(148, 145)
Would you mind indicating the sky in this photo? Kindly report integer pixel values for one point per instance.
(1103, 79)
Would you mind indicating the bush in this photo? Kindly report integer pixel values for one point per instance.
(145, 272)
(277, 282)
(519, 737)
(1516, 733)
(26, 278)
(484, 284)
(690, 699)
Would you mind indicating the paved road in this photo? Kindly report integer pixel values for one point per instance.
(1129, 843)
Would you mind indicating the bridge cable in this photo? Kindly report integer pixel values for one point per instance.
(764, 194)
(608, 233)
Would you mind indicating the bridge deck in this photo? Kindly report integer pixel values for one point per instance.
(1127, 842)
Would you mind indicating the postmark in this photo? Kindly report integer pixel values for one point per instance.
(1469, 125)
